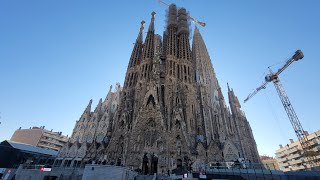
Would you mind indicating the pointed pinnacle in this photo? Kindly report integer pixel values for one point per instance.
(151, 26)
(142, 25)
(153, 14)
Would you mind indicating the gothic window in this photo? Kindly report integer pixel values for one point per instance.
(189, 74)
(170, 68)
(185, 73)
(141, 69)
(162, 94)
(121, 124)
(178, 141)
(178, 69)
(135, 78)
(158, 94)
(151, 123)
(151, 99)
(192, 108)
(177, 124)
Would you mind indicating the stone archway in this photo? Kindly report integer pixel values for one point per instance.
(145, 165)
(179, 163)
(154, 164)
(230, 152)
(149, 164)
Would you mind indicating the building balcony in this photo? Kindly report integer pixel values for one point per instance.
(56, 137)
(297, 168)
(51, 142)
(294, 156)
(283, 159)
(48, 147)
(298, 161)
(284, 164)
(291, 150)
(314, 142)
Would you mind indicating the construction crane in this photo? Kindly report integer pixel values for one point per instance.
(302, 137)
(193, 19)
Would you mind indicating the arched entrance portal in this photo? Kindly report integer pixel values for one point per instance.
(154, 164)
(145, 164)
(179, 163)
(149, 164)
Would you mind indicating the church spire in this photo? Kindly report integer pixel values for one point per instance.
(171, 32)
(137, 49)
(148, 49)
(183, 33)
(88, 109)
(140, 36)
(233, 101)
(151, 26)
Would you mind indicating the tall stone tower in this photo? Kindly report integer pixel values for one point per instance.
(171, 113)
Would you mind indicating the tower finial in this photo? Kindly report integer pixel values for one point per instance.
(142, 25)
(153, 14)
(141, 31)
(151, 26)
(228, 86)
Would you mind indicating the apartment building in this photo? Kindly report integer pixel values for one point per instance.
(269, 162)
(290, 157)
(40, 137)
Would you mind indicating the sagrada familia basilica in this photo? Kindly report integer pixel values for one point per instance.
(170, 112)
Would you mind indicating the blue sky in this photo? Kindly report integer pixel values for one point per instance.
(57, 55)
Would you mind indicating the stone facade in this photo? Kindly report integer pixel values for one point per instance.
(170, 114)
